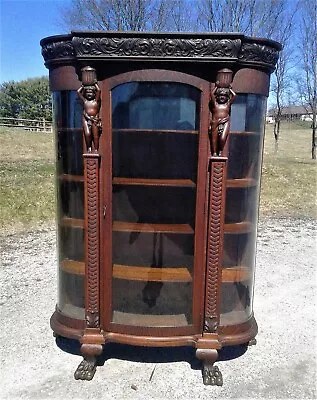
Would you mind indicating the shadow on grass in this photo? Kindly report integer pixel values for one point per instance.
(155, 355)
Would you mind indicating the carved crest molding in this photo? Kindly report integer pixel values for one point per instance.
(99, 46)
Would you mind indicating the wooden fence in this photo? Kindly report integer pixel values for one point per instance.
(38, 125)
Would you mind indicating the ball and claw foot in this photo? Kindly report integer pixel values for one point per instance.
(86, 370)
(212, 375)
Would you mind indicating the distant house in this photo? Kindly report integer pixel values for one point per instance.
(291, 113)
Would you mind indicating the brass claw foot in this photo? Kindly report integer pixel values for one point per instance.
(212, 375)
(86, 370)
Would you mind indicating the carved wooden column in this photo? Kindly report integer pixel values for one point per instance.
(221, 99)
(92, 340)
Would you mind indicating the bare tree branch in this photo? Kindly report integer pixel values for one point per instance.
(307, 46)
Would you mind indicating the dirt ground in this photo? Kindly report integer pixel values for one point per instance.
(282, 365)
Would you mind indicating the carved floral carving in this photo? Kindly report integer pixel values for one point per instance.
(156, 47)
(232, 48)
(258, 52)
(62, 49)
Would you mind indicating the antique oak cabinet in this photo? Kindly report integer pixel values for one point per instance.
(159, 147)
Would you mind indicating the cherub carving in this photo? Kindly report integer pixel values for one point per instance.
(220, 102)
(90, 96)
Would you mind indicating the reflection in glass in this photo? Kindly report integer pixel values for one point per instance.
(236, 302)
(71, 243)
(242, 199)
(155, 155)
(71, 300)
(150, 105)
(71, 199)
(241, 205)
(154, 138)
(67, 111)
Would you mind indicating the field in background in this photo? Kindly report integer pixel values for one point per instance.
(27, 197)
(288, 175)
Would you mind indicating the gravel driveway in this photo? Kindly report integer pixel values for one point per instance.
(282, 365)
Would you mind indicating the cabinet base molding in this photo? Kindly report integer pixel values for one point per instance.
(230, 335)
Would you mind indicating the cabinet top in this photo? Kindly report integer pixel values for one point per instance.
(234, 50)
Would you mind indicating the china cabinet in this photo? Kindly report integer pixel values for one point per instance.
(159, 147)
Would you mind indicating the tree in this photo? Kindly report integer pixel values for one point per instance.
(122, 15)
(252, 17)
(307, 46)
(29, 99)
(281, 82)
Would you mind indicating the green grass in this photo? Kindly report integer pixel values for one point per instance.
(27, 197)
(289, 174)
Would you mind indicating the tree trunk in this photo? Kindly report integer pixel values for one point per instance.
(276, 133)
(313, 142)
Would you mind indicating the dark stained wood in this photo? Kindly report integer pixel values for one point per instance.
(235, 274)
(239, 227)
(137, 273)
(249, 80)
(159, 131)
(149, 320)
(231, 335)
(216, 229)
(71, 178)
(71, 222)
(119, 226)
(241, 183)
(243, 133)
(153, 182)
(151, 340)
(73, 267)
(64, 78)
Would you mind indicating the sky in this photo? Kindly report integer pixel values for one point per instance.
(23, 23)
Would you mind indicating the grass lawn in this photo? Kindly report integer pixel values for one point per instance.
(288, 175)
(27, 197)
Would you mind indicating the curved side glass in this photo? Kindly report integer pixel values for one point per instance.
(67, 111)
(242, 203)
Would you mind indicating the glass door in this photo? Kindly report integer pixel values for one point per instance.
(155, 146)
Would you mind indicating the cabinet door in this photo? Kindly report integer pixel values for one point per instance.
(154, 169)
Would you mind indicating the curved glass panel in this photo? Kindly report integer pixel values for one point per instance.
(67, 111)
(242, 202)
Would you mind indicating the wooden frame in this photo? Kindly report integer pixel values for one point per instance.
(106, 174)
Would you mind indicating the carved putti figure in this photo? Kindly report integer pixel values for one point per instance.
(90, 95)
(220, 102)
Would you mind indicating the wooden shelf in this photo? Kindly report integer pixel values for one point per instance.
(239, 227)
(131, 130)
(154, 182)
(136, 273)
(72, 178)
(149, 320)
(235, 274)
(119, 226)
(72, 222)
(241, 183)
(76, 130)
(73, 267)
(244, 133)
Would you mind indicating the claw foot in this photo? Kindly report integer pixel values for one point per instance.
(86, 370)
(212, 375)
